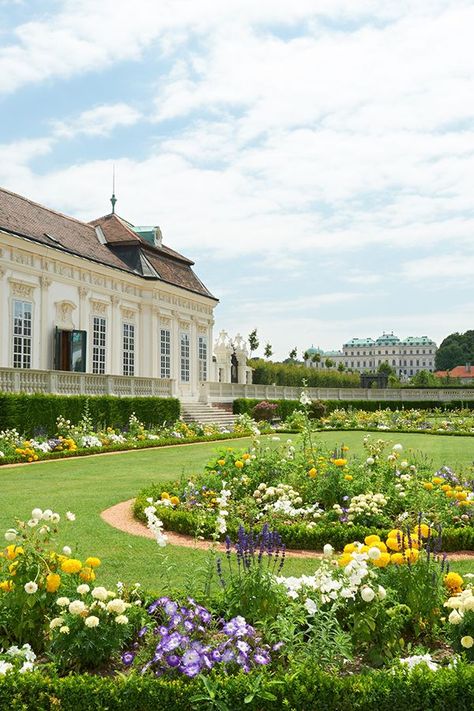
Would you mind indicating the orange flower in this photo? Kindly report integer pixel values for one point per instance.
(53, 581)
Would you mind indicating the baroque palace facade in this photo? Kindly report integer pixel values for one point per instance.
(105, 298)
(407, 357)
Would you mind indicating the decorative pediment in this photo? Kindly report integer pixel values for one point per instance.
(64, 311)
(23, 289)
(98, 307)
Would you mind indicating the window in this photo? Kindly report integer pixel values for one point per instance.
(98, 345)
(202, 355)
(165, 353)
(184, 357)
(128, 352)
(22, 326)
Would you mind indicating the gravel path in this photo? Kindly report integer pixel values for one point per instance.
(121, 517)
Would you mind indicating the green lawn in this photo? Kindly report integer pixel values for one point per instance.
(87, 486)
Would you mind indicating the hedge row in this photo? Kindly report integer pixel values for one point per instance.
(295, 535)
(286, 407)
(300, 688)
(36, 414)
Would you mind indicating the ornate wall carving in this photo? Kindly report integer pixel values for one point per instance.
(64, 311)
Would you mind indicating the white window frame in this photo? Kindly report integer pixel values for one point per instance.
(202, 357)
(184, 348)
(128, 348)
(22, 329)
(99, 344)
(165, 353)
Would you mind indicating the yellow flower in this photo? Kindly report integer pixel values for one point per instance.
(394, 533)
(344, 448)
(461, 496)
(239, 464)
(344, 559)
(453, 581)
(174, 500)
(411, 555)
(12, 551)
(423, 530)
(427, 485)
(246, 456)
(383, 561)
(312, 473)
(397, 558)
(71, 565)
(370, 540)
(339, 462)
(348, 477)
(349, 548)
(92, 562)
(450, 493)
(87, 575)
(6, 585)
(221, 462)
(437, 480)
(53, 581)
(393, 544)
(446, 487)
(380, 545)
(165, 495)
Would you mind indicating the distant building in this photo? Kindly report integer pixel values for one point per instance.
(407, 357)
(464, 373)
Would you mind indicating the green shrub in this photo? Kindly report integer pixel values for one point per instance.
(300, 688)
(287, 407)
(30, 414)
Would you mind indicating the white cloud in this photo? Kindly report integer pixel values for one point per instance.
(99, 121)
(445, 266)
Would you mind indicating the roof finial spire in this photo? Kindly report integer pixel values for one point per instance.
(113, 199)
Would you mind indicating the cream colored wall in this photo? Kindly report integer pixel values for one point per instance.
(67, 291)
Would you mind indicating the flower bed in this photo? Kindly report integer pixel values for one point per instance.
(73, 440)
(241, 635)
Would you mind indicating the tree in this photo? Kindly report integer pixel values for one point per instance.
(293, 353)
(253, 341)
(424, 379)
(455, 349)
(328, 363)
(268, 352)
(387, 369)
(341, 368)
(306, 356)
(316, 358)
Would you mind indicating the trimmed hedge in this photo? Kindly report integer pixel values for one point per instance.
(32, 414)
(295, 535)
(287, 407)
(306, 688)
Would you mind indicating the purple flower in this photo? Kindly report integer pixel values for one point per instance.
(191, 657)
(188, 626)
(278, 646)
(171, 642)
(216, 656)
(173, 660)
(170, 607)
(128, 657)
(191, 671)
(143, 631)
(261, 657)
(153, 607)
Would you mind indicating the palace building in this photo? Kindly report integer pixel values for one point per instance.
(104, 298)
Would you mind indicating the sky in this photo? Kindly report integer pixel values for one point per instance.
(315, 158)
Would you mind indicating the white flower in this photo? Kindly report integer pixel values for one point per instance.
(76, 607)
(367, 594)
(304, 399)
(37, 513)
(328, 550)
(467, 641)
(44, 530)
(70, 516)
(83, 589)
(374, 553)
(64, 629)
(11, 535)
(397, 447)
(55, 518)
(455, 617)
(33, 522)
(26, 666)
(30, 587)
(67, 551)
(419, 659)
(370, 461)
(56, 622)
(91, 621)
(310, 606)
(100, 593)
(117, 606)
(5, 667)
(381, 593)
(62, 601)
(121, 619)
(46, 515)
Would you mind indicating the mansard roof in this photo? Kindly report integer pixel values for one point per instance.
(110, 240)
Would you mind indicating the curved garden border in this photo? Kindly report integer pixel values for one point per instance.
(121, 516)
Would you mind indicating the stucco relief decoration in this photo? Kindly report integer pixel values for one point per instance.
(184, 325)
(165, 322)
(129, 314)
(202, 329)
(98, 307)
(22, 289)
(64, 311)
(83, 291)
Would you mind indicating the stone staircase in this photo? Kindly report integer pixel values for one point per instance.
(205, 413)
